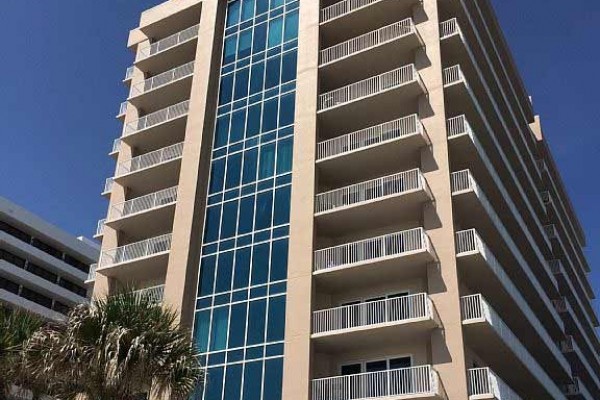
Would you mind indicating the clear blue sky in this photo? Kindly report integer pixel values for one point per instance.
(60, 87)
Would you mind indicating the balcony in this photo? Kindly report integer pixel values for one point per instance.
(147, 258)
(473, 208)
(91, 274)
(480, 268)
(487, 334)
(180, 47)
(161, 90)
(374, 259)
(484, 384)
(145, 215)
(580, 362)
(397, 384)
(378, 98)
(108, 184)
(161, 165)
(158, 128)
(345, 157)
(360, 56)
(341, 328)
(100, 228)
(577, 390)
(129, 74)
(155, 294)
(122, 110)
(370, 203)
(116, 147)
(341, 20)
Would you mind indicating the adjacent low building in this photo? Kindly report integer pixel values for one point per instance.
(42, 268)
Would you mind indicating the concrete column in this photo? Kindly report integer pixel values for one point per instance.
(297, 362)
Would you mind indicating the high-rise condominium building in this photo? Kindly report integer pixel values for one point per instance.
(42, 268)
(348, 200)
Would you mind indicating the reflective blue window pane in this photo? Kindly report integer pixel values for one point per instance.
(224, 272)
(226, 89)
(217, 176)
(270, 115)
(256, 322)
(252, 380)
(247, 10)
(237, 328)
(214, 384)
(281, 213)
(285, 149)
(238, 122)
(273, 378)
(250, 159)
(273, 72)
(233, 13)
(218, 329)
(213, 217)
(262, 6)
(222, 131)
(257, 78)
(279, 260)
(234, 169)
(253, 123)
(245, 44)
(229, 219)
(229, 51)
(264, 210)
(266, 165)
(287, 109)
(291, 26)
(241, 83)
(246, 215)
(207, 276)
(275, 32)
(260, 264)
(201, 328)
(260, 38)
(276, 3)
(276, 325)
(288, 67)
(241, 275)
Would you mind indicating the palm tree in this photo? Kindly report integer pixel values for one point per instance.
(16, 326)
(120, 347)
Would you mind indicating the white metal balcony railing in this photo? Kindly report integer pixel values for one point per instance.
(386, 246)
(449, 28)
(453, 75)
(108, 185)
(387, 186)
(156, 118)
(342, 8)
(369, 40)
(150, 159)
(483, 382)
(399, 309)
(92, 272)
(137, 250)
(369, 87)
(417, 381)
(143, 203)
(167, 43)
(368, 137)
(163, 79)
(116, 146)
(100, 227)
(122, 109)
(129, 73)
(469, 242)
(475, 309)
(154, 293)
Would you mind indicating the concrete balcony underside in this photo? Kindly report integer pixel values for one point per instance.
(155, 177)
(151, 267)
(344, 19)
(180, 53)
(146, 223)
(171, 93)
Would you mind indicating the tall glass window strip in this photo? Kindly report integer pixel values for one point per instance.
(240, 308)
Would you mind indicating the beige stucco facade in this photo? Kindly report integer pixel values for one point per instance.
(427, 223)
